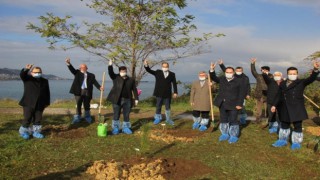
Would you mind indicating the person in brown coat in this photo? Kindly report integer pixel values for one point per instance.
(261, 88)
(200, 102)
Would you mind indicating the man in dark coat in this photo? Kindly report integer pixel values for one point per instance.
(82, 88)
(165, 80)
(232, 92)
(36, 97)
(272, 93)
(261, 88)
(239, 74)
(122, 94)
(291, 106)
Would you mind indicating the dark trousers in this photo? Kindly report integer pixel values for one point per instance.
(125, 104)
(228, 116)
(204, 114)
(86, 103)
(297, 126)
(272, 116)
(31, 115)
(160, 101)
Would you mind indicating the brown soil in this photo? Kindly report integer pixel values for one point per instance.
(172, 135)
(314, 130)
(148, 169)
(63, 131)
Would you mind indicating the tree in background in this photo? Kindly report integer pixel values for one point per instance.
(313, 56)
(138, 30)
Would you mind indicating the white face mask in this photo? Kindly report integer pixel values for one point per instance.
(165, 69)
(229, 75)
(292, 77)
(239, 73)
(277, 78)
(202, 78)
(122, 74)
(36, 75)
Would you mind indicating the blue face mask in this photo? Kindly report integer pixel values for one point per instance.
(37, 75)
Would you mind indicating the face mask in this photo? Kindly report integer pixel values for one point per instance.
(165, 69)
(292, 77)
(229, 75)
(239, 73)
(37, 75)
(122, 74)
(202, 78)
(277, 78)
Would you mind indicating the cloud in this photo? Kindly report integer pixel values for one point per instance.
(308, 3)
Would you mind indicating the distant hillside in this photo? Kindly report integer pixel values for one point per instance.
(14, 74)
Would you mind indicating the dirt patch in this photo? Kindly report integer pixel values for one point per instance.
(172, 135)
(148, 169)
(314, 130)
(63, 131)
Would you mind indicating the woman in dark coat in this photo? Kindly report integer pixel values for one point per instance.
(291, 106)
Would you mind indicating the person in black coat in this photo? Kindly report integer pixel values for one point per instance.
(272, 93)
(239, 74)
(36, 97)
(165, 80)
(82, 87)
(291, 107)
(229, 99)
(122, 94)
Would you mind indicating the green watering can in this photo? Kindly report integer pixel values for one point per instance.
(102, 129)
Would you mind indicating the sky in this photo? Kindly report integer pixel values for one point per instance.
(279, 33)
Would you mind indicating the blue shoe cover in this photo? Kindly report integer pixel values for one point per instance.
(280, 143)
(170, 122)
(38, 135)
(156, 121)
(88, 117)
(224, 137)
(295, 146)
(25, 135)
(127, 130)
(273, 130)
(203, 128)
(76, 119)
(195, 125)
(115, 131)
(233, 139)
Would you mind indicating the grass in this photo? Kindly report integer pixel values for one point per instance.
(66, 157)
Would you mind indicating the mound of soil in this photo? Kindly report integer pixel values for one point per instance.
(148, 169)
(314, 130)
(63, 131)
(172, 135)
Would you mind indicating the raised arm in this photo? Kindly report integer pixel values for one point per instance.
(70, 67)
(24, 72)
(313, 75)
(222, 66)
(253, 67)
(110, 70)
(212, 73)
(148, 69)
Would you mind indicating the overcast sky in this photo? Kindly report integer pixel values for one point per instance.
(280, 33)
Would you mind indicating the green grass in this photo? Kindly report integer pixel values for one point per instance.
(62, 157)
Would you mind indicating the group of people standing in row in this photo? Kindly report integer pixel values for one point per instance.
(284, 99)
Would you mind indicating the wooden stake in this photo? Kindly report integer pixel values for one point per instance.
(101, 93)
(210, 96)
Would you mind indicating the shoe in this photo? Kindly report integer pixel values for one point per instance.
(156, 121)
(88, 117)
(195, 125)
(295, 146)
(280, 143)
(115, 131)
(224, 137)
(273, 130)
(126, 130)
(24, 132)
(233, 139)
(38, 135)
(25, 136)
(203, 128)
(76, 119)
(170, 122)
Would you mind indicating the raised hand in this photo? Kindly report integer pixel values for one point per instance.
(110, 62)
(253, 60)
(212, 66)
(145, 62)
(220, 61)
(29, 66)
(68, 60)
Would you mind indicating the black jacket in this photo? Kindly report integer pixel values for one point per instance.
(163, 86)
(78, 80)
(291, 102)
(118, 82)
(36, 91)
(273, 89)
(244, 78)
(231, 93)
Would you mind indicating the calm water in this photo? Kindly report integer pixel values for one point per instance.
(59, 89)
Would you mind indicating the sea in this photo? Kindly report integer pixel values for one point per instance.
(59, 89)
